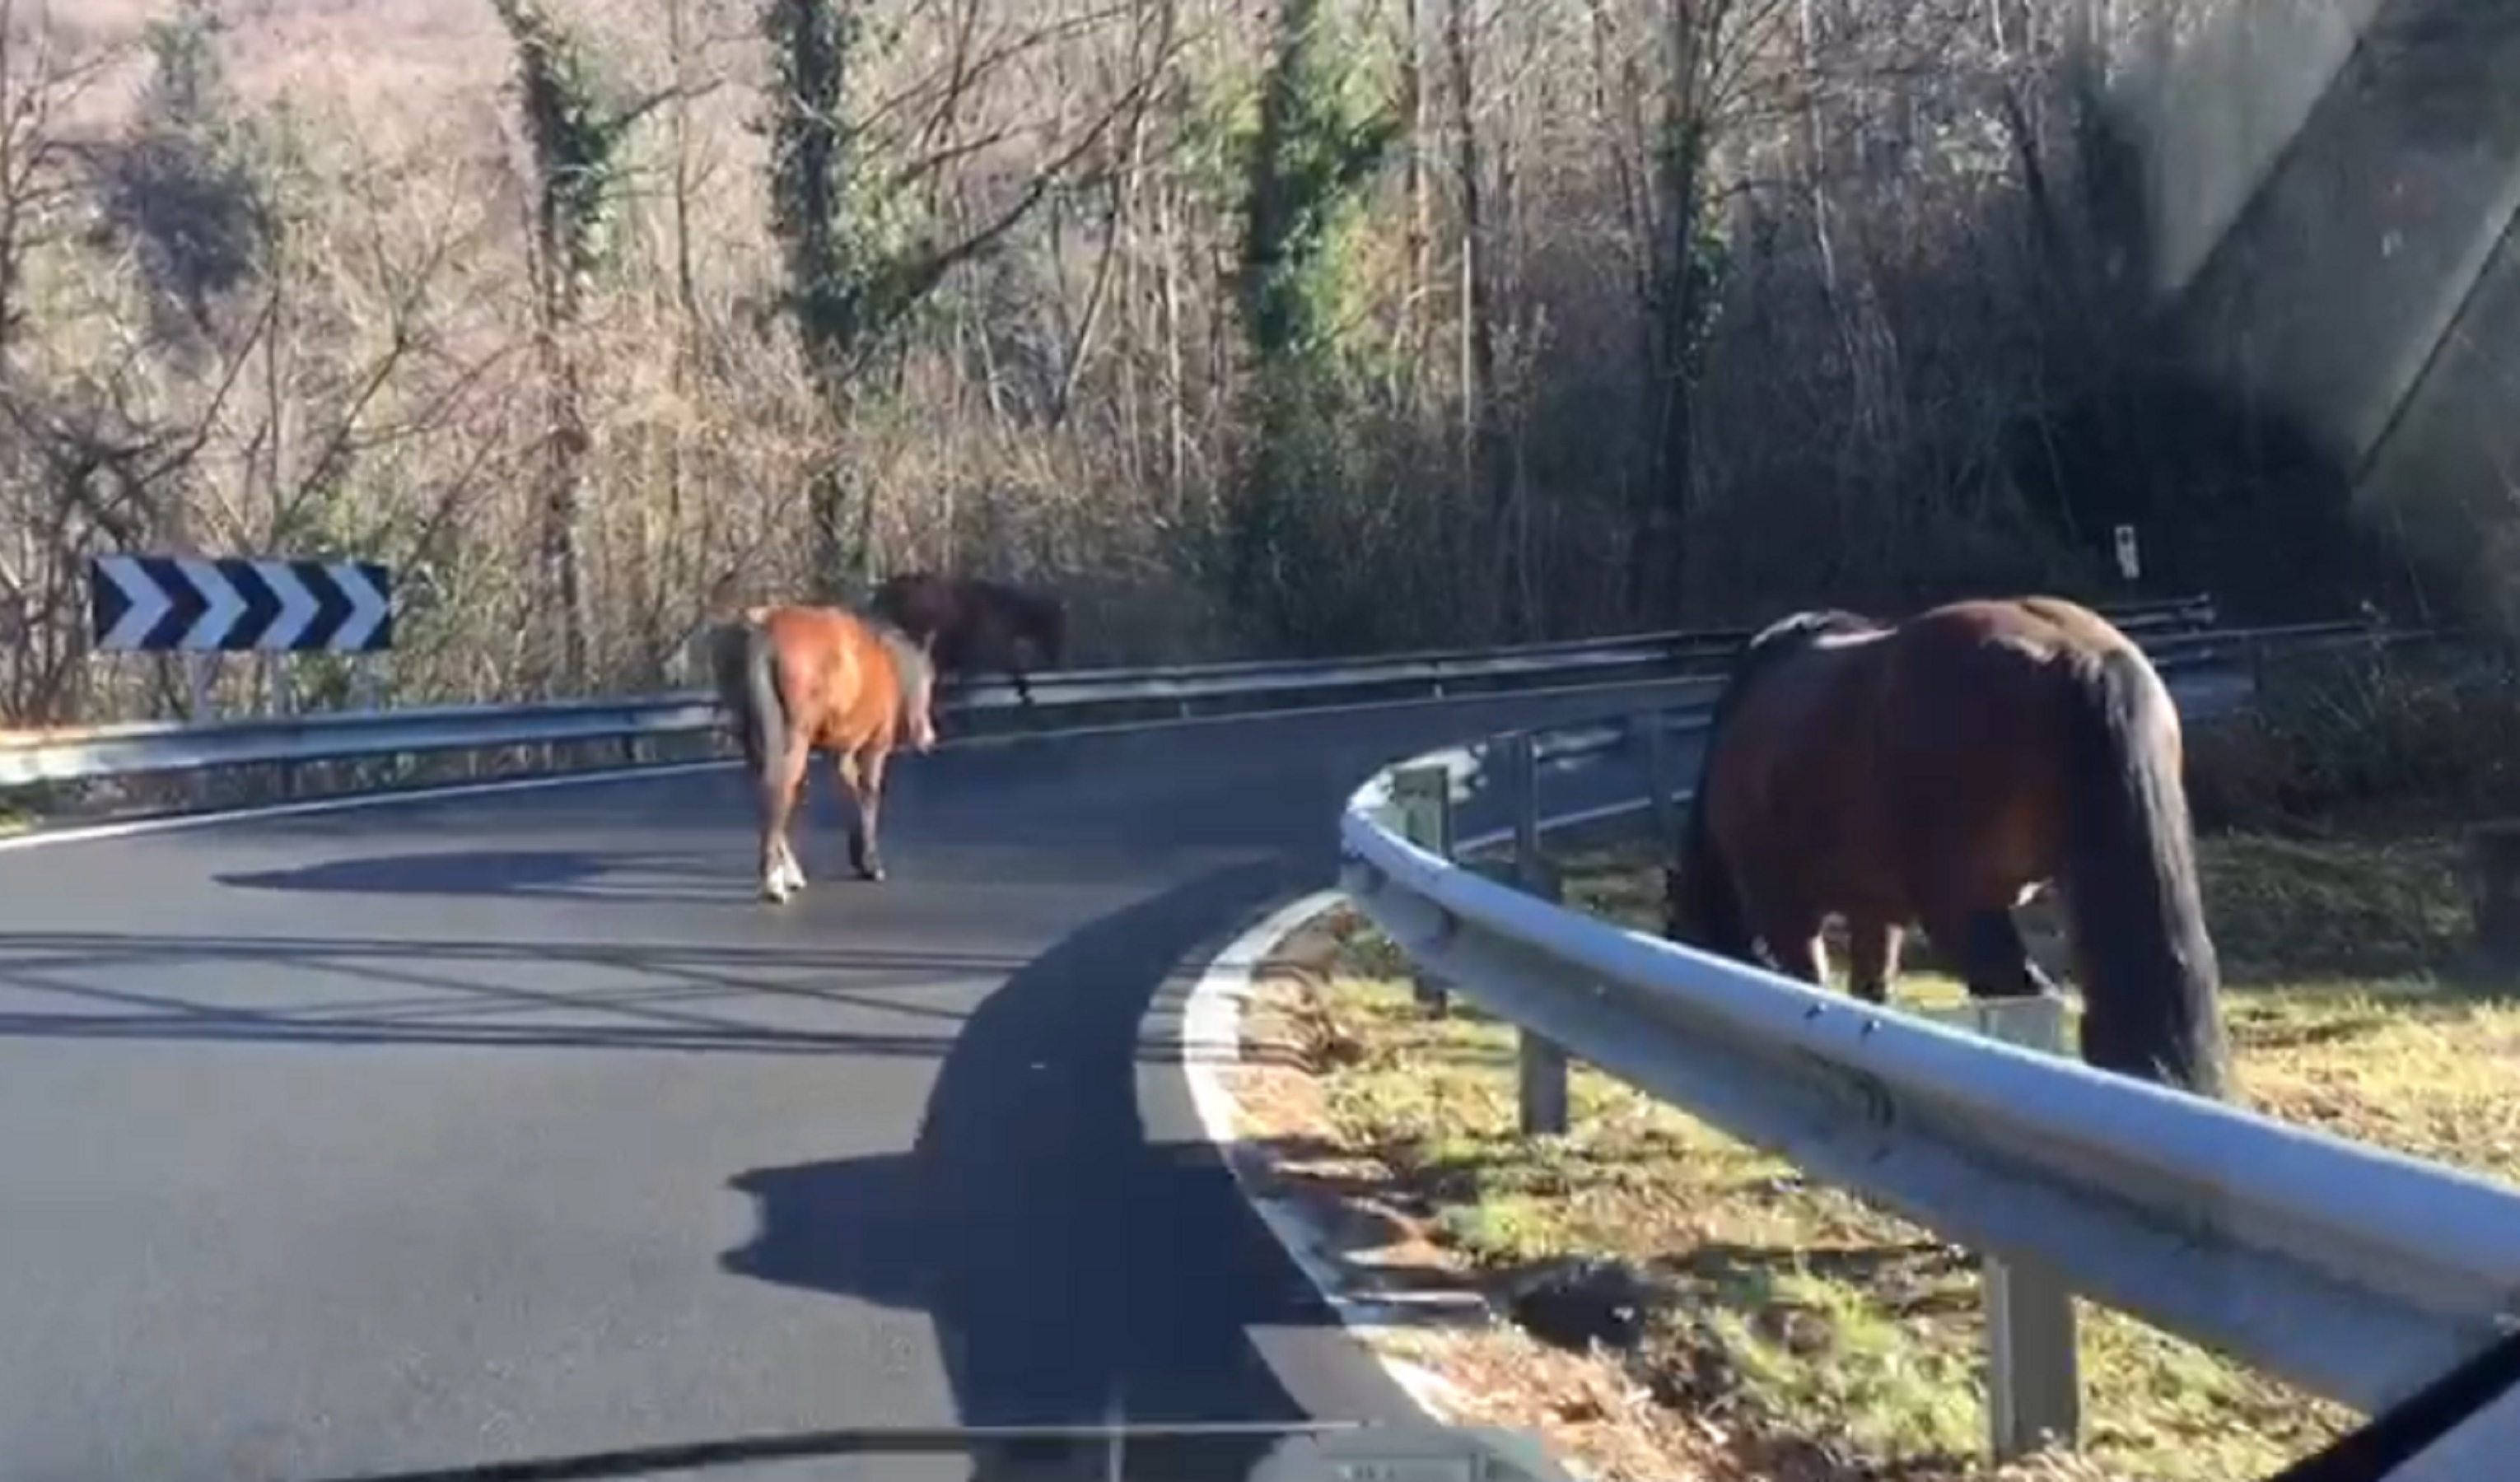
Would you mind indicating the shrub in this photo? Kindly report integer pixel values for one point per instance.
(2342, 736)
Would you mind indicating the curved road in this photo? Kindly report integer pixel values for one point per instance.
(457, 1131)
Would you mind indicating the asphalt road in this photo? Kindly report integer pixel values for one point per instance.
(468, 1130)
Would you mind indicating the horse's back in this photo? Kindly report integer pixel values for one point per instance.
(2012, 666)
(1822, 671)
(970, 619)
(918, 603)
(2042, 629)
(1941, 740)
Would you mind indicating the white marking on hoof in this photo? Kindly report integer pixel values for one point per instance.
(775, 889)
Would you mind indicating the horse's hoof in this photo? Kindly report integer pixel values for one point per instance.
(776, 891)
(873, 873)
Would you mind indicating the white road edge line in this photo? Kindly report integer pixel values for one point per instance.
(1211, 1040)
(76, 833)
(79, 833)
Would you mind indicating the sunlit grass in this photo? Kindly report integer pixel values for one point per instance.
(1796, 1310)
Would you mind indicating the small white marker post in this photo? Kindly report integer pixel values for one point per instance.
(199, 677)
(282, 697)
(2130, 558)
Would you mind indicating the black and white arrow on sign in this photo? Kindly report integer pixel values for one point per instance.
(197, 604)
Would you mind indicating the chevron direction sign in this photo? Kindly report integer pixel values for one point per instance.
(200, 603)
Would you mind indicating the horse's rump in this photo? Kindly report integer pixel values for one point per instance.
(842, 680)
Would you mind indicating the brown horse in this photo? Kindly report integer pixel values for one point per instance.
(1938, 771)
(971, 623)
(796, 679)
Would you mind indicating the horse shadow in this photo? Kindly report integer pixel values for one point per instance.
(1914, 1278)
(1078, 1264)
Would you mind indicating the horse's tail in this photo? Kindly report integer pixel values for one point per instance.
(747, 665)
(2149, 977)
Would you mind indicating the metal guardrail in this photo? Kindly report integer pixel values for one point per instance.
(176, 747)
(2353, 1271)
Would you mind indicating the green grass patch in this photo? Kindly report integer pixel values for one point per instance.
(1798, 1314)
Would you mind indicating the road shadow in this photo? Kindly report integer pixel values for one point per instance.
(724, 877)
(659, 996)
(1074, 1268)
(553, 873)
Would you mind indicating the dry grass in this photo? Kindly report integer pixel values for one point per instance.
(1799, 1333)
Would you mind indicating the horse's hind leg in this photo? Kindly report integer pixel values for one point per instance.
(1793, 942)
(1801, 957)
(862, 779)
(781, 875)
(1994, 961)
(1872, 957)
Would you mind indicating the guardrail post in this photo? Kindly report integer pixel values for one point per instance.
(2034, 1384)
(1541, 1094)
(284, 701)
(1422, 812)
(200, 706)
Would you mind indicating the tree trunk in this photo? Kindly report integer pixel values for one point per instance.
(1482, 456)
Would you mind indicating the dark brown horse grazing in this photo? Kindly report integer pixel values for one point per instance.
(794, 679)
(971, 623)
(1938, 771)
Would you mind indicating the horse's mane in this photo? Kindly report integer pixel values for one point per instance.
(1810, 626)
(1792, 634)
(909, 658)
